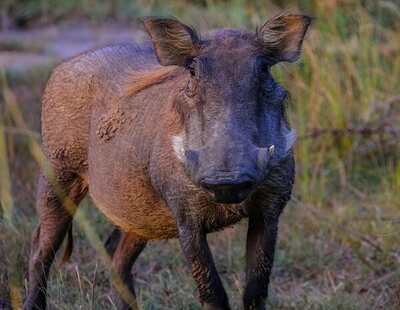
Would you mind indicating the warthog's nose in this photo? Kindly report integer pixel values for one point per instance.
(227, 190)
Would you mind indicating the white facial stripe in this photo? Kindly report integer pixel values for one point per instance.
(177, 144)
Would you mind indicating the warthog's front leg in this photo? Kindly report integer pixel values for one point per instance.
(260, 248)
(199, 258)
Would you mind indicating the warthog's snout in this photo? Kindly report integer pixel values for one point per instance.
(228, 190)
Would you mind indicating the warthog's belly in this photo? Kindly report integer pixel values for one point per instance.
(142, 212)
(138, 211)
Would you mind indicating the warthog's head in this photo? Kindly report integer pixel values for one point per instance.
(232, 109)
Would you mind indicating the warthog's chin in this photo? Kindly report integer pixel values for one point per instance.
(228, 199)
(228, 190)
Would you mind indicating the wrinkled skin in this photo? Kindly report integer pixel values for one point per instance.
(188, 153)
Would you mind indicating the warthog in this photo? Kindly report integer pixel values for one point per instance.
(179, 137)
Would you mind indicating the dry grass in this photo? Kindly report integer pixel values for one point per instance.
(339, 243)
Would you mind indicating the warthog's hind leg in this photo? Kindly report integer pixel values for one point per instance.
(55, 205)
(112, 242)
(124, 256)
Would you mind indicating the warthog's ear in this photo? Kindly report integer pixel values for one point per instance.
(282, 36)
(174, 42)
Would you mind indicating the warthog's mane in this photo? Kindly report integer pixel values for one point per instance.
(149, 76)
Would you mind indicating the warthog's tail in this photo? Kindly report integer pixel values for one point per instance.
(110, 245)
(69, 247)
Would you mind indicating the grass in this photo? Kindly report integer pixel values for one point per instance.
(339, 236)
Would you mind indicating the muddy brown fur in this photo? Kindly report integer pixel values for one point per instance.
(180, 137)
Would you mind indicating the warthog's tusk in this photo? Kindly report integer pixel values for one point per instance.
(271, 149)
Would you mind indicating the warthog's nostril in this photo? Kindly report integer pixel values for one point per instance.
(228, 190)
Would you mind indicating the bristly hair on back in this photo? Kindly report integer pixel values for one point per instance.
(148, 77)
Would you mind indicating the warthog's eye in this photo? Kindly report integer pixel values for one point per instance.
(264, 69)
(267, 82)
(191, 87)
(263, 74)
(192, 71)
(192, 68)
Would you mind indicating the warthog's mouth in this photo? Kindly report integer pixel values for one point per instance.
(227, 190)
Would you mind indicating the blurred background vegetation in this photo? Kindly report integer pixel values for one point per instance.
(339, 244)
